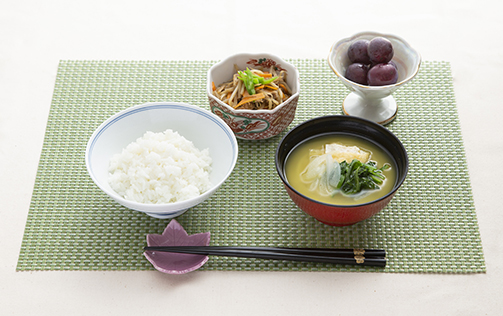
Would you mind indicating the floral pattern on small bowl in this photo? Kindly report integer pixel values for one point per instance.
(176, 263)
(241, 125)
(257, 125)
(265, 62)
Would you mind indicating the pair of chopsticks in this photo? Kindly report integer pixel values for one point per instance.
(361, 257)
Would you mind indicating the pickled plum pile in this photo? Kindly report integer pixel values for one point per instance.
(371, 62)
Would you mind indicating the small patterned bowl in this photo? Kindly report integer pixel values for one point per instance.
(253, 124)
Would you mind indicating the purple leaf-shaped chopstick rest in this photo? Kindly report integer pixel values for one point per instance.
(176, 263)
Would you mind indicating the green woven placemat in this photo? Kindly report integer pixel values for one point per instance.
(430, 225)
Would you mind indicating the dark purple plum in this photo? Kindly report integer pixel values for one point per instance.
(380, 50)
(382, 75)
(358, 52)
(357, 72)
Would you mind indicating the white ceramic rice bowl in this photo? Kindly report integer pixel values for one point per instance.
(197, 125)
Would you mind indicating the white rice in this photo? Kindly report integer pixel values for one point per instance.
(160, 168)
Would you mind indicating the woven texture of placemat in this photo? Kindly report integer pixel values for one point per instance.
(430, 226)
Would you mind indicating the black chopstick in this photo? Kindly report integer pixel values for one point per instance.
(339, 252)
(363, 257)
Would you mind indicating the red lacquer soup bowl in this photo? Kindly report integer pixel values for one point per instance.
(333, 214)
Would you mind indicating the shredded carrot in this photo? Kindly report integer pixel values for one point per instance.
(250, 98)
(266, 86)
(270, 87)
(283, 86)
(213, 86)
(265, 75)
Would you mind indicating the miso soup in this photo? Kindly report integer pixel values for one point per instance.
(300, 157)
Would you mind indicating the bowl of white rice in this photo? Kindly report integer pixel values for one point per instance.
(161, 158)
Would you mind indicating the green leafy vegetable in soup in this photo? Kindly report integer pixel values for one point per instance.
(357, 176)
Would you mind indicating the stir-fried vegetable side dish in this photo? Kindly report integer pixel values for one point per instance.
(254, 89)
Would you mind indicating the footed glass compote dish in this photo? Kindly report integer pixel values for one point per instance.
(374, 103)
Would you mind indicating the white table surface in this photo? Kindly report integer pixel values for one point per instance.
(35, 35)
